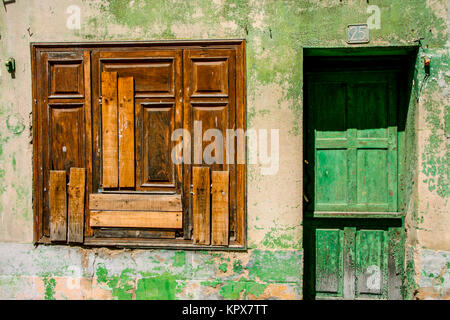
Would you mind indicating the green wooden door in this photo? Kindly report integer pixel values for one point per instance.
(352, 186)
(355, 142)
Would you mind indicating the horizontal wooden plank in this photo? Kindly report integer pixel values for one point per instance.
(137, 219)
(144, 202)
(133, 233)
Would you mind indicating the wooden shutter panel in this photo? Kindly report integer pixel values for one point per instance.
(61, 125)
(209, 100)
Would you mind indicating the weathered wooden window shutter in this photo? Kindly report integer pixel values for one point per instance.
(107, 173)
(62, 147)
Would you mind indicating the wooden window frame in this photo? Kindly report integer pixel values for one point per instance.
(84, 53)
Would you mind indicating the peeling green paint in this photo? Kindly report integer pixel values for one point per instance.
(277, 266)
(159, 287)
(50, 284)
(179, 259)
(282, 238)
(241, 289)
(237, 267)
(141, 285)
(223, 267)
(434, 161)
(409, 283)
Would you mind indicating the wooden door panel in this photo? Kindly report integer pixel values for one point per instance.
(213, 117)
(66, 136)
(66, 79)
(329, 262)
(65, 75)
(372, 186)
(356, 262)
(154, 153)
(332, 123)
(210, 77)
(355, 139)
(332, 178)
(370, 114)
(153, 77)
(371, 263)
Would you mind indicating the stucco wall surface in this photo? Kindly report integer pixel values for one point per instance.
(276, 31)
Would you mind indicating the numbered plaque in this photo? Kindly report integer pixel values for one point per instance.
(357, 33)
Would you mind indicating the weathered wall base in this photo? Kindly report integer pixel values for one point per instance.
(74, 273)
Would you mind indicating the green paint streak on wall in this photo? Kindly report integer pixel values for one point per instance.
(121, 286)
(282, 238)
(237, 267)
(50, 285)
(164, 286)
(159, 287)
(179, 259)
(236, 289)
(435, 162)
(223, 267)
(241, 289)
(212, 284)
(277, 266)
(14, 161)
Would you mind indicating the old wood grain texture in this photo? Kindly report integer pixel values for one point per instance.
(110, 158)
(58, 205)
(133, 233)
(157, 127)
(76, 197)
(126, 132)
(240, 226)
(137, 219)
(395, 263)
(201, 205)
(159, 79)
(348, 286)
(219, 207)
(154, 202)
(88, 136)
